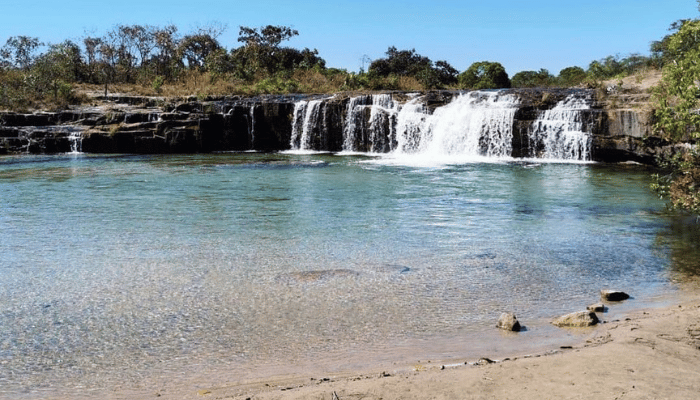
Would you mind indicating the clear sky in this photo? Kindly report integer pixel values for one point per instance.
(520, 34)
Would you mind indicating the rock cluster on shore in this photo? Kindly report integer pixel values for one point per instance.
(579, 319)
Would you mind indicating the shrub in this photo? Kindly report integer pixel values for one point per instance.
(157, 84)
(484, 75)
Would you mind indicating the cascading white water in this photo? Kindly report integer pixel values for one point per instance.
(381, 127)
(252, 126)
(410, 121)
(76, 141)
(298, 123)
(559, 133)
(307, 116)
(473, 124)
(354, 123)
(377, 134)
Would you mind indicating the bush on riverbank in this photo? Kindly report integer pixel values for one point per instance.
(677, 116)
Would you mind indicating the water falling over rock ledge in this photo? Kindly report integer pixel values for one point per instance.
(560, 124)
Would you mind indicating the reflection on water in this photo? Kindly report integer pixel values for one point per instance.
(121, 272)
(682, 238)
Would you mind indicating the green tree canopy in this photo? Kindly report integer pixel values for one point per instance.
(267, 36)
(541, 78)
(262, 53)
(677, 115)
(400, 62)
(194, 49)
(678, 118)
(572, 76)
(409, 63)
(18, 52)
(484, 75)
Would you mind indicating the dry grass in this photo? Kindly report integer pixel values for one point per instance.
(640, 82)
(312, 81)
(409, 83)
(203, 84)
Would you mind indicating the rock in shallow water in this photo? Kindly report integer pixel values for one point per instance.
(613, 295)
(580, 319)
(508, 322)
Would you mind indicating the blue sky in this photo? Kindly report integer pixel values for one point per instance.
(521, 35)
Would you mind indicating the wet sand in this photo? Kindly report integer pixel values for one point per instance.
(653, 353)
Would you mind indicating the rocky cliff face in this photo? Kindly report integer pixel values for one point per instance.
(620, 129)
(627, 132)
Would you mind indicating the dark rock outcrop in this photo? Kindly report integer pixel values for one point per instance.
(129, 124)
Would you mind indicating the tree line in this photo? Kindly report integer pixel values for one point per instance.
(153, 57)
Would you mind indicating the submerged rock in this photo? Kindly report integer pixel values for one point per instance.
(613, 295)
(580, 319)
(508, 321)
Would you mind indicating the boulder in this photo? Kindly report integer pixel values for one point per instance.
(613, 295)
(580, 319)
(508, 322)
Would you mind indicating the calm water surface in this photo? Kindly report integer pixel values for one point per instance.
(131, 272)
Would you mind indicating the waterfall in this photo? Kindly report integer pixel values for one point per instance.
(410, 122)
(252, 126)
(377, 134)
(76, 141)
(381, 123)
(473, 124)
(560, 133)
(354, 122)
(307, 122)
(298, 123)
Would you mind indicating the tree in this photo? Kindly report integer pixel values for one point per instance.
(268, 36)
(107, 64)
(18, 52)
(92, 45)
(409, 63)
(446, 74)
(571, 76)
(484, 75)
(194, 49)
(677, 97)
(262, 53)
(55, 70)
(541, 78)
(677, 117)
(635, 62)
(165, 57)
(64, 60)
(400, 62)
(660, 54)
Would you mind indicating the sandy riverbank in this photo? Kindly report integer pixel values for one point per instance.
(650, 354)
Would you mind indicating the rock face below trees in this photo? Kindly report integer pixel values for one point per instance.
(266, 123)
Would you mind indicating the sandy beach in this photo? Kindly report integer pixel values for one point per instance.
(648, 354)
